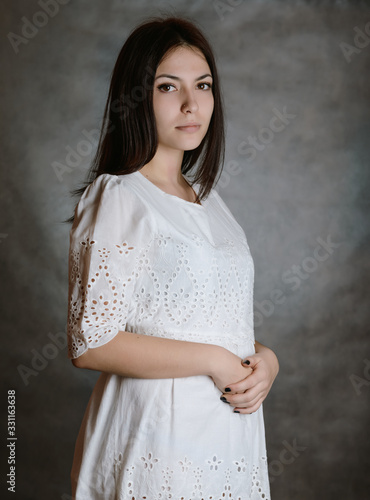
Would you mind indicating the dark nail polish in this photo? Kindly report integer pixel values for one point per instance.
(227, 389)
(246, 362)
(224, 399)
(236, 411)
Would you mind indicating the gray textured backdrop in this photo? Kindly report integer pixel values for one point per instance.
(298, 185)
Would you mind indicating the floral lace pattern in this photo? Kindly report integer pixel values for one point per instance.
(99, 296)
(240, 480)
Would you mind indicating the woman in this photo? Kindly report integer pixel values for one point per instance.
(161, 290)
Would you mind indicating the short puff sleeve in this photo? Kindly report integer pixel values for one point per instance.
(111, 227)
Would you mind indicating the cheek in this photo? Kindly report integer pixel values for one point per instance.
(160, 116)
(163, 111)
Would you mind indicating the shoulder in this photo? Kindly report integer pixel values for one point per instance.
(109, 187)
(111, 201)
(222, 206)
(221, 202)
(110, 192)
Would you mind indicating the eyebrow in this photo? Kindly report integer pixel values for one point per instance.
(177, 78)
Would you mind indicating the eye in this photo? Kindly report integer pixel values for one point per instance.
(202, 85)
(165, 87)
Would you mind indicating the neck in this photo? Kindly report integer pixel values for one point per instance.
(165, 167)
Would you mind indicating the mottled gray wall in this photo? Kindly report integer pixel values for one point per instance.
(302, 186)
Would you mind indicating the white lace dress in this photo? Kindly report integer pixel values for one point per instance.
(149, 262)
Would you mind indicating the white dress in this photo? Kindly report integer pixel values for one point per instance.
(149, 262)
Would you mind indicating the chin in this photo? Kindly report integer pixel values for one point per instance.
(191, 144)
(184, 144)
(191, 147)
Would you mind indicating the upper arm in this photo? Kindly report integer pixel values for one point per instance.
(106, 239)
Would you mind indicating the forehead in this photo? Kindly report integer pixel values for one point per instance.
(184, 59)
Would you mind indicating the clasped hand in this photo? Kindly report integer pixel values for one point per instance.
(254, 380)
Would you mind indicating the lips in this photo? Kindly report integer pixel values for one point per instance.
(189, 127)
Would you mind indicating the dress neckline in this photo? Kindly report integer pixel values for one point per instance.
(173, 196)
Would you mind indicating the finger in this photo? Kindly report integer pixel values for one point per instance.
(248, 403)
(243, 385)
(240, 386)
(251, 361)
(245, 398)
(251, 403)
(250, 410)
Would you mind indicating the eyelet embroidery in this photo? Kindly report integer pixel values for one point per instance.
(214, 463)
(163, 288)
(235, 479)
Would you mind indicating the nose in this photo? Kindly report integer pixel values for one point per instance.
(190, 104)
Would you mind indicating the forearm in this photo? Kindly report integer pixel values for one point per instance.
(143, 356)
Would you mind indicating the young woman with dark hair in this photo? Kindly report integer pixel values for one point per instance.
(161, 290)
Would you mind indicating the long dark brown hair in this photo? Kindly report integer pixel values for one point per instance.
(128, 138)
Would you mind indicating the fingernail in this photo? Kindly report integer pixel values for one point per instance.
(246, 362)
(224, 399)
(227, 389)
(236, 411)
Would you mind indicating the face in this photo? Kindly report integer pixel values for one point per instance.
(182, 99)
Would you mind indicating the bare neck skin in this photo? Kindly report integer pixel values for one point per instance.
(164, 170)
